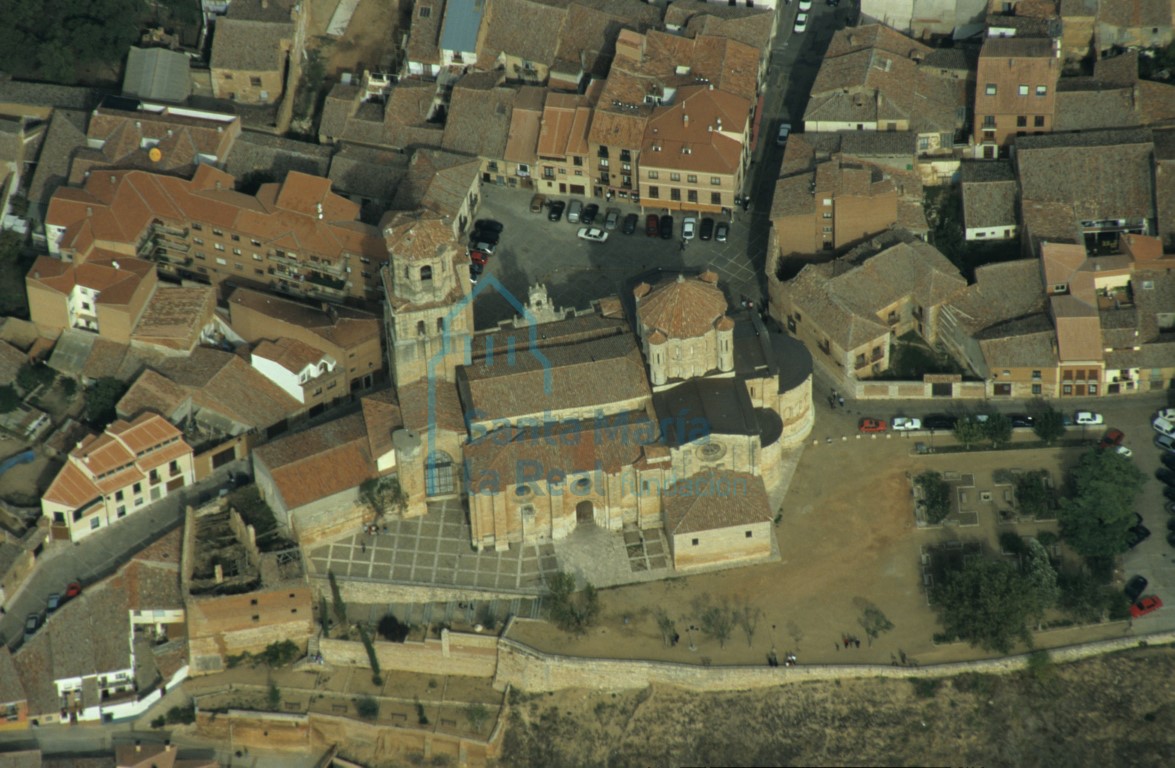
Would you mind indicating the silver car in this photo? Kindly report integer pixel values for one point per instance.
(573, 211)
(612, 219)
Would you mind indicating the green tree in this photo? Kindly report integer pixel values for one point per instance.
(1042, 579)
(101, 399)
(477, 714)
(1048, 423)
(997, 429)
(666, 625)
(969, 431)
(874, 622)
(273, 698)
(988, 602)
(717, 621)
(1096, 521)
(571, 611)
(9, 398)
(33, 375)
(380, 493)
(1034, 497)
(281, 653)
(49, 40)
(367, 707)
(936, 495)
(372, 657)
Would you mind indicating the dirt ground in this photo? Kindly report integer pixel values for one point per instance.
(1117, 710)
(838, 555)
(24, 483)
(371, 38)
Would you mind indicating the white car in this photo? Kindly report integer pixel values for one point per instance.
(801, 24)
(1122, 450)
(1164, 426)
(784, 132)
(1088, 419)
(805, 5)
(689, 227)
(903, 424)
(595, 234)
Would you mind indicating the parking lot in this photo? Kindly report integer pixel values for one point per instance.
(536, 250)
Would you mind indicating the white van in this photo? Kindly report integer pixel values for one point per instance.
(573, 211)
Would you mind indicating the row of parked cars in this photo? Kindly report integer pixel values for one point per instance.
(34, 620)
(1163, 422)
(595, 224)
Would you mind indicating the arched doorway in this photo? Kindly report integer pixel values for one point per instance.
(585, 513)
(438, 474)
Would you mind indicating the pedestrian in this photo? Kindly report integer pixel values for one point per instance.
(857, 642)
(363, 545)
(845, 639)
(840, 399)
(836, 645)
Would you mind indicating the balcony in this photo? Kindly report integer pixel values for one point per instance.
(165, 257)
(325, 281)
(280, 257)
(604, 178)
(329, 267)
(171, 231)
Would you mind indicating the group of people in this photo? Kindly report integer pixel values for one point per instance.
(848, 641)
(835, 399)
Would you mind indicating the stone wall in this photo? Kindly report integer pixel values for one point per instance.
(355, 590)
(455, 653)
(532, 671)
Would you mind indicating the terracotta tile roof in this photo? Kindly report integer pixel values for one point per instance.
(525, 122)
(438, 181)
(564, 125)
(368, 172)
(1001, 293)
(750, 26)
(116, 285)
(587, 37)
(1052, 169)
(478, 122)
(507, 457)
(702, 131)
(11, 361)
(276, 155)
(342, 326)
(878, 36)
(536, 40)
(420, 236)
(405, 118)
(251, 46)
(66, 133)
(682, 308)
(319, 462)
(153, 392)
(715, 501)
(381, 417)
(291, 354)
(175, 316)
(1027, 342)
(565, 377)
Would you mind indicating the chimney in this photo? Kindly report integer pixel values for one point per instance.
(685, 119)
(114, 264)
(319, 207)
(138, 746)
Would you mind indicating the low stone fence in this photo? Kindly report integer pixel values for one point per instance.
(358, 590)
(456, 653)
(527, 669)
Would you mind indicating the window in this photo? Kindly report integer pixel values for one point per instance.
(1021, 121)
(1093, 389)
(1023, 90)
(236, 238)
(236, 251)
(1067, 389)
(120, 511)
(221, 262)
(715, 180)
(95, 522)
(218, 246)
(256, 243)
(694, 542)
(828, 230)
(197, 226)
(1038, 121)
(174, 467)
(749, 535)
(692, 178)
(603, 162)
(256, 257)
(1036, 389)
(579, 173)
(828, 214)
(990, 89)
(828, 201)
(691, 195)
(989, 121)
(198, 240)
(923, 143)
(715, 198)
(137, 488)
(675, 177)
(218, 233)
(675, 194)
(255, 82)
(1042, 90)
(577, 161)
(426, 272)
(654, 192)
(548, 172)
(654, 175)
(118, 495)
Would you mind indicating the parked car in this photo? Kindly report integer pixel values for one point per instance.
(1123, 451)
(475, 271)
(53, 602)
(689, 227)
(482, 245)
(1164, 426)
(555, 210)
(594, 234)
(872, 425)
(1168, 460)
(801, 24)
(1165, 475)
(489, 225)
(1021, 420)
(588, 216)
(1112, 438)
(706, 229)
(574, 209)
(630, 222)
(73, 590)
(939, 421)
(905, 424)
(652, 225)
(31, 624)
(1138, 534)
(478, 257)
(805, 5)
(666, 227)
(1165, 442)
(1169, 492)
(1135, 587)
(722, 231)
(1148, 604)
(1088, 419)
(537, 203)
(784, 128)
(612, 218)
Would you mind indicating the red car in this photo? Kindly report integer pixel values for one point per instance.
(478, 257)
(652, 225)
(73, 590)
(872, 425)
(1148, 604)
(1111, 439)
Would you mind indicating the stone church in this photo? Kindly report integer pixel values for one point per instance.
(660, 410)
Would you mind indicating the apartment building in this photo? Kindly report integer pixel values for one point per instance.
(109, 476)
(296, 236)
(1015, 90)
(562, 149)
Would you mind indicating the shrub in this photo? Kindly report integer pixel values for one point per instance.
(182, 715)
(1011, 543)
(570, 611)
(392, 629)
(281, 653)
(926, 687)
(936, 496)
(367, 707)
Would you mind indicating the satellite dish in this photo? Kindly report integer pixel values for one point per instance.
(155, 154)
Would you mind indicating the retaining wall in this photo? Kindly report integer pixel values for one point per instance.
(455, 654)
(359, 591)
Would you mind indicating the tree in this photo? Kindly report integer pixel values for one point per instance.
(382, 492)
(717, 621)
(1048, 423)
(1032, 494)
(747, 617)
(101, 399)
(372, 658)
(476, 714)
(392, 629)
(936, 495)
(367, 707)
(9, 398)
(1042, 579)
(874, 622)
(273, 698)
(570, 611)
(1097, 520)
(988, 602)
(666, 625)
(33, 375)
(997, 429)
(49, 40)
(281, 654)
(969, 431)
